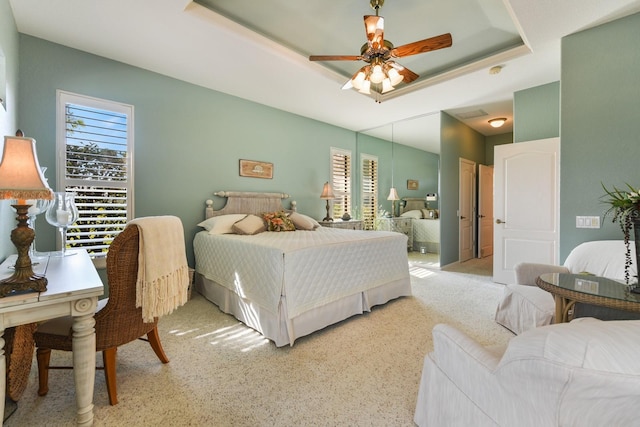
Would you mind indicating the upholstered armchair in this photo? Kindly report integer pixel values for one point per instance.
(524, 305)
(583, 373)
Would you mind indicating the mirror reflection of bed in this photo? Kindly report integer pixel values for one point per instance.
(425, 228)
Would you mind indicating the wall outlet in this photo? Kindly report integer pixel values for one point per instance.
(587, 222)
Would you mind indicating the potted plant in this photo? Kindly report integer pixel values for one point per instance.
(624, 206)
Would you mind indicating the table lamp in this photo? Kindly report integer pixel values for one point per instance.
(21, 178)
(393, 196)
(327, 194)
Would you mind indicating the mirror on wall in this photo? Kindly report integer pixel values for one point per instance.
(408, 153)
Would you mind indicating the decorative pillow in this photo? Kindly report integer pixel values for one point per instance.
(430, 213)
(221, 224)
(416, 214)
(278, 221)
(303, 222)
(251, 224)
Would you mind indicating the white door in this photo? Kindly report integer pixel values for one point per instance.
(526, 205)
(485, 211)
(466, 209)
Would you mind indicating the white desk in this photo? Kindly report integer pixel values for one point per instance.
(73, 289)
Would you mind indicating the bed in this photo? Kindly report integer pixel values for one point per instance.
(425, 224)
(286, 285)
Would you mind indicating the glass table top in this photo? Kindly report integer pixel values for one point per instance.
(592, 285)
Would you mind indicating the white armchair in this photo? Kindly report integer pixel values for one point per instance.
(583, 373)
(524, 306)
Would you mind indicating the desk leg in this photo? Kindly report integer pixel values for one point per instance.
(84, 358)
(3, 376)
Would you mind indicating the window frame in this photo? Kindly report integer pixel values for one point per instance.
(343, 193)
(62, 99)
(369, 225)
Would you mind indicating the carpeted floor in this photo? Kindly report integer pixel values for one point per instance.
(361, 372)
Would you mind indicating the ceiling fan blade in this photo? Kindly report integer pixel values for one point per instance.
(422, 46)
(335, 58)
(374, 26)
(407, 74)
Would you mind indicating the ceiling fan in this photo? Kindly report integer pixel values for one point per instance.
(382, 73)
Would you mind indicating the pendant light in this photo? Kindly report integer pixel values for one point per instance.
(393, 194)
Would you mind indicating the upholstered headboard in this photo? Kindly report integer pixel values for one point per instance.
(248, 203)
(412, 203)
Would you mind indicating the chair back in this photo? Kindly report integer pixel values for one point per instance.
(120, 321)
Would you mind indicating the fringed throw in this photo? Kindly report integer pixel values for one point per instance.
(163, 274)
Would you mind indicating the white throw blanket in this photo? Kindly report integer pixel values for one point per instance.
(163, 274)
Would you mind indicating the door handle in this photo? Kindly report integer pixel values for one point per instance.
(463, 217)
(480, 216)
(499, 221)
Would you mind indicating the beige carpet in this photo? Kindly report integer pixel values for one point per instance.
(361, 372)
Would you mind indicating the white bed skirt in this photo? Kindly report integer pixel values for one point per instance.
(283, 331)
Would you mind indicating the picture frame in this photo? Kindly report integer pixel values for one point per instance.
(412, 184)
(256, 169)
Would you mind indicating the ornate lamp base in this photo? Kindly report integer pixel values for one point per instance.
(23, 278)
(327, 218)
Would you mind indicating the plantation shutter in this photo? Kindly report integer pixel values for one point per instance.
(369, 190)
(97, 168)
(341, 181)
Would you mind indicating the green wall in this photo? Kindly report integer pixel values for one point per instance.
(8, 115)
(456, 140)
(536, 113)
(600, 127)
(188, 139)
(493, 140)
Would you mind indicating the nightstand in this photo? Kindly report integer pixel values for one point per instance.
(399, 225)
(353, 224)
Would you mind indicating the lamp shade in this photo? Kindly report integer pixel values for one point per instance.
(393, 194)
(327, 192)
(20, 174)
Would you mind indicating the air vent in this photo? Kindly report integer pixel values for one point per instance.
(471, 114)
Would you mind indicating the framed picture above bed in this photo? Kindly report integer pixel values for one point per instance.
(256, 169)
(412, 184)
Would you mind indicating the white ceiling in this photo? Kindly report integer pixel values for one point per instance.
(190, 42)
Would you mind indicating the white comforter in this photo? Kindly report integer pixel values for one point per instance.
(310, 268)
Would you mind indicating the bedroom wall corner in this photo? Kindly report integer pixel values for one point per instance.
(457, 140)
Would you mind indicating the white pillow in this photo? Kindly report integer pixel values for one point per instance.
(303, 222)
(416, 214)
(221, 224)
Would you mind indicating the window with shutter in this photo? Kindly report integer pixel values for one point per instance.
(95, 158)
(369, 186)
(341, 181)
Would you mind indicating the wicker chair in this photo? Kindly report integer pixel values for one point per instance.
(118, 321)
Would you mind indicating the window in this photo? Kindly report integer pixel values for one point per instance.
(94, 147)
(341, 181)
(369, 187)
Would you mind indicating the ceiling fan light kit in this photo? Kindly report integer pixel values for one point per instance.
(382, 74)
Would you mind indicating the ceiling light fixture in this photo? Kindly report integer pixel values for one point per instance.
(379, 76)
(382, 74)
(496, 123)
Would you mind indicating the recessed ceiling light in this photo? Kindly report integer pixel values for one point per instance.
(496, 123)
